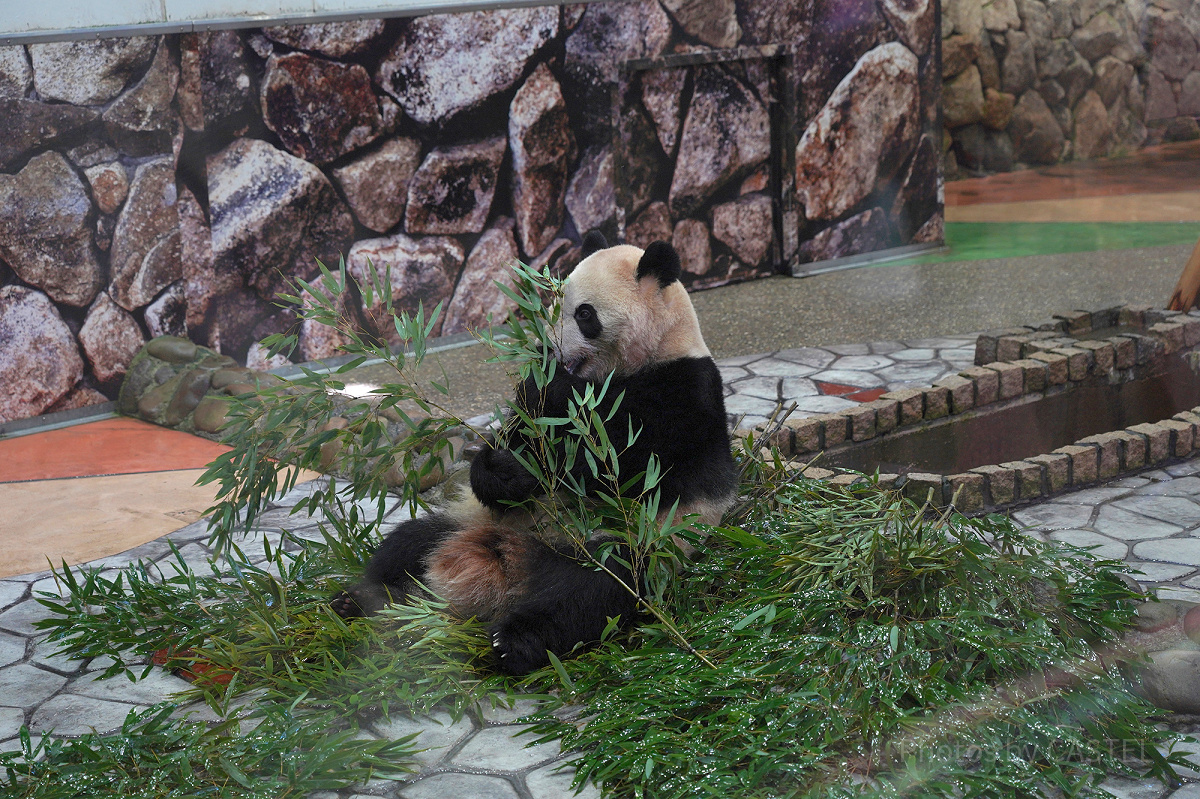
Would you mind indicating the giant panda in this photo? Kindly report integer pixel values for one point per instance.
(624, 314)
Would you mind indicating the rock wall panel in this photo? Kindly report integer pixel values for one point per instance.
(174, 184)
(1033, 82)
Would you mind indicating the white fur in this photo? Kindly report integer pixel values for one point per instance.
(643, 322)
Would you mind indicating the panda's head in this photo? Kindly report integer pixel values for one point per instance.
(624, 309)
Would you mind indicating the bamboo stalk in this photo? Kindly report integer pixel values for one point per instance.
(1188, 287)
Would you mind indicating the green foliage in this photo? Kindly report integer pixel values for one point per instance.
(155, 754)
(864, 648)
(283, 427)
(826, 642)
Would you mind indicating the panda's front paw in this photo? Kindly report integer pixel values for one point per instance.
(497, 477)
(517, 650)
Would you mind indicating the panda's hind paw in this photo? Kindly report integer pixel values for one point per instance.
(517, 651)
(363, 599)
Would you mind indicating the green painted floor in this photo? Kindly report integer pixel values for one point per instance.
(974, 241)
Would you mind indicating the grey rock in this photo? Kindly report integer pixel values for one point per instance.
(1173, 509)
(333, 39)
(67, 714)
(989, 66)
(39, 362)
(201, 282)
(966, 16)
(1105, 547)
(745, 226)
(1058, 56)
(1129, 525)
(145, 256)
(421, 271)
(272, 213)
(189, 94)
(1171, 680)
(16, 75)
(1054, 516)
(1189, 95)
(504, 749)
(918, 198)
(1019, 70)
(476, 297)
(1112, 76)
(476, 786)
(913, 21)
(156, 686)
(1037, 23)
(110, 185)
(31, 125)
(643, 164)
(848, 31)
(726, 134)
(606, 37)
(167, 315)
(543, 148)
(436, 735)
(1060, 17)
(1000, 15)
(768, 23)
(958, 53)
(1076, 79)
(110, 337)
(444, 64)
(1098, 36)
(662, 91)
(962, 99)
(860, 233)
(46, 230)
(1160, 99)
(652, 224)
(142, 121)
(1174, 49)
(554, 781)
(453, 189)
(320, 109)
(376, 184)
(690, 240)
(864, 133)
(12, 649)
(226, 85)
(1036, 135)
(1093, 129)
(591, 194)
(11, 591)
(713, 22)
(27, 685)
(89, 71)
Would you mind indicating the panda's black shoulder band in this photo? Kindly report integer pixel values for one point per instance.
(594, 241)
(660, 260)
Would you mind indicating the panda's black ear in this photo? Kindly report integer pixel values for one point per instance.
(660, 260)
(594, 241)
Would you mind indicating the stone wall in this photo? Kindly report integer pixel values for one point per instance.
(173, 185)
(1042, 81)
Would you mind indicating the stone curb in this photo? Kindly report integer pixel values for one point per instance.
(1045, 359)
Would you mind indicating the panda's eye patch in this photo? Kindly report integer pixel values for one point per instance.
(588, 321)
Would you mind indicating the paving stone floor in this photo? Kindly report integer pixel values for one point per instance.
(1151, 520)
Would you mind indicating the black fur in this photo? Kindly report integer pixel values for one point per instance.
(399, 560)
(565, 603)
(660, 260)
(679, 407)
(589, 321)
(594, 241)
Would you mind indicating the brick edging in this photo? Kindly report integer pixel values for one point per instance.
(1043, 359)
